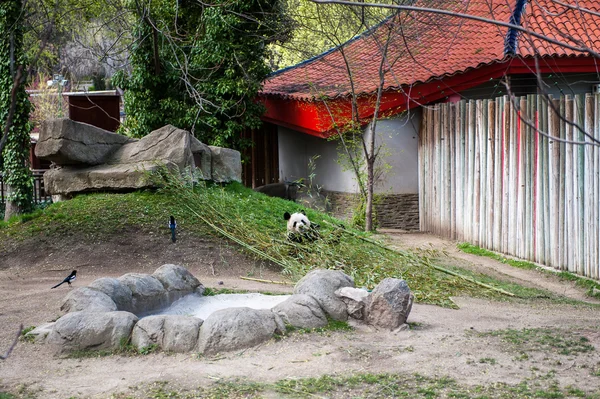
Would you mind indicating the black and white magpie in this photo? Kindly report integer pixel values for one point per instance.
(68, 279)
(172, 226)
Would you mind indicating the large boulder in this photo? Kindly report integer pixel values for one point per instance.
(92, 330)
(173, 333)
(321, 285)
(176, 278)
(238, 328)
(301, 311)
(147, 291)
(116, 290)
(390, 304)
(165, 145)
(128, 167)
(178, 281)
(66, 181)
(226, 165)
(40, 333)
(202, 157)
(87, 299)
(356, 300)
(66, 142)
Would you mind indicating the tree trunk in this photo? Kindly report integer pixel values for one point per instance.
(12, 207)
(14, 110)
(370, 188)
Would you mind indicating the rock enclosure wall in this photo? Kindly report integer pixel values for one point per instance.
(394, 211)
(110, 311)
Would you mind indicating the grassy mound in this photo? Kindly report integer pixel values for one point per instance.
(252, 220)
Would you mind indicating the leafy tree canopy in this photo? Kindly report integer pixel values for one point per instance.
(199, 67)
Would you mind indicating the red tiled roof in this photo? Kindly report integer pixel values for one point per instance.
(563, 21)
(433, 46)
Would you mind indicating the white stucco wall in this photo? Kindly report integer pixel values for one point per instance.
(400, 138)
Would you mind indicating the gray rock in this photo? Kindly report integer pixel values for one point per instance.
(148, 293)
(173, 333)
(355, 299)
(390, 304)
(87, 299)
(92, 330)
(287, 191)
(226, 165)
(165, 145)
(128, 167)
(66, 181)
(117, 291)
(67, 142)
(301, 311)
(178, 281)
(202, 157)
(237, 328)
(321, 285)
(176, 278)
(40, 333)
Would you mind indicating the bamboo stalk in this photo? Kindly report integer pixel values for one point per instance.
(266, 281)
(500, 290)
(237, 240)
(441, 269)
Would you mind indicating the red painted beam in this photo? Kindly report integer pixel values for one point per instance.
(317, 119)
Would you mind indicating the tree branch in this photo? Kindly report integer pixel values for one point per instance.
(14, 344)
(461, 15)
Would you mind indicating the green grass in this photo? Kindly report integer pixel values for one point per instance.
(519, 290)
(592, 287)
(562, 342)
(254, 221)
(27, 338)
(373, 386)
(332, 325)
(475, 250)
(125, 349)
(363, 385)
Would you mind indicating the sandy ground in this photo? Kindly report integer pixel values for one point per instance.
(441, 342)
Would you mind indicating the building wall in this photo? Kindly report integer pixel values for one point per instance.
(393, 211)
(400, 138)
(398, 202)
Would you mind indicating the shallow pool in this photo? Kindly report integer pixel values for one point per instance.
(202, 306)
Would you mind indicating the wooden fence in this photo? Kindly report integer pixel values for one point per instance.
(489, 178)
(39, 194)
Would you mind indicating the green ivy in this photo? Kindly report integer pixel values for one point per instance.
(222, 49)
(15, 156)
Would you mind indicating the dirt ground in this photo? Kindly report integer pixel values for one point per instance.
(440, 342)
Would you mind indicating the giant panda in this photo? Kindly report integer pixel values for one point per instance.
(299, 228)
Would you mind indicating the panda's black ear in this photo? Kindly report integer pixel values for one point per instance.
(303, 212)
(286, 216)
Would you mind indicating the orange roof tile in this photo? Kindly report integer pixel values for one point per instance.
(425, 46)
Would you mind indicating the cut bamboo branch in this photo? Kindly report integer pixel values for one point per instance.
(441, 269)
(500, 290)
(266, 281)
(237, 240)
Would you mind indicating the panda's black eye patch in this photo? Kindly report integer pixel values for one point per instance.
(304, 222)
(295, 224)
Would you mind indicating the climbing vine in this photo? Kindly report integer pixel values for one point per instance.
(199, 66)
(15, 155)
